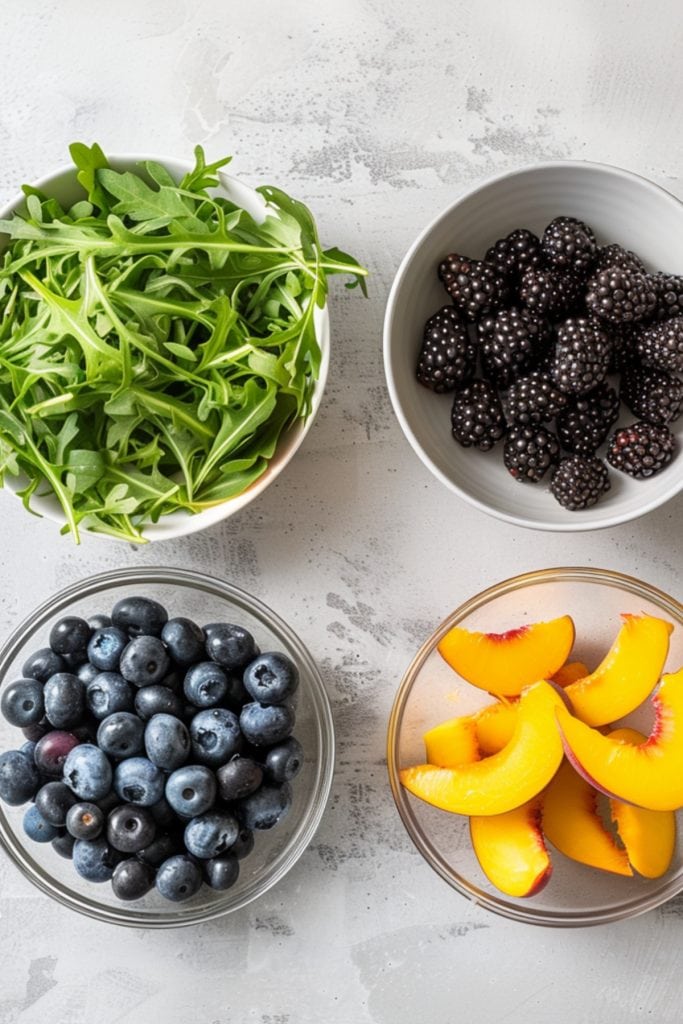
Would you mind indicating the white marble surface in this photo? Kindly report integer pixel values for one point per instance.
(377, 114)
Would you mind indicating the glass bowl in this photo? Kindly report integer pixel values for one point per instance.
(432, 692)
(203, 599)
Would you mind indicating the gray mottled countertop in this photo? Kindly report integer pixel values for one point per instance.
(377, 114)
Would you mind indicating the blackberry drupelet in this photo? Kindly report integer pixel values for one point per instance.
(529, 452)
(652, 395)
(578, 482)
(448, 356)
(621, 296)
(669, 292)
(569, 244)
(533, 399)
(616, 256)
(624, 351)
(515, 253)
(512, 341)
(641, 449)
(477, 418)
(473, 285)
(582, 355)
(661, 345)
(546, 292)
(586, 422)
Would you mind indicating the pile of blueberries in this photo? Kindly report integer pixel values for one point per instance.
(154, 747)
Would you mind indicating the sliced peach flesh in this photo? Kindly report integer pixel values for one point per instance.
(572, 824)
(452, 743)
(507, 779)
(504, 663)
(649, 774)
(570, 672)
(495, 725)
(628, 673)
(511, 850)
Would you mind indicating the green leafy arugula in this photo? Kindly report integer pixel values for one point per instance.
(155, 341)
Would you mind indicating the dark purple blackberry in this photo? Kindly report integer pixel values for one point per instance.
(529, 453)
(624, 351)
(661, 345)
(473, 285)
(669, 292)
(641, 450)
(621, 296)
(448, 356)
(515, 253)
(569, 244)
(652, 395)
(512, 341)
(582, 355)
(533, 399)
(546, 292)
(578, 482)
(586, 422)
(616, 256)
(477, 416)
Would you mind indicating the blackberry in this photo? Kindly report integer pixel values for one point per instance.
(534, 399)
(529, 452)
(569, 244)
(512, 341)
(477, 418)
(616, 256)
(624, 347)
(661, 345)
(474, 286)
(641, 450)
(652, 395)
(582, 355)
(669, 292)
(584, 425)
(578, 482)
(545, 292)
(515, 253)
(447, 357)
(621, 296)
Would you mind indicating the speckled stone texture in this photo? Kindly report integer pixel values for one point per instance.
(376, 114)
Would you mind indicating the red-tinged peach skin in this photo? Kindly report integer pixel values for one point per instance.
(628, 673)
(570, 672)
(507, 779)
(649, 775)
(504, 663)
(511, 851)
(452, 742)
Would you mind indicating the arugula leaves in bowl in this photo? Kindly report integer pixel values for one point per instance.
(160, 342)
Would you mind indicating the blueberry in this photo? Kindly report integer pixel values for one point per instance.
(240, 777)
(36, 828)
(167, 742)
(265, 725)
(216, 736)
(221, 872)
(19, 778)
(69, 637)
(87, 672)
(244, 844)
(86, 732)
(37, 731)
(105, 648)
(284, 761)
(109, 801)
(85, 820)
(271, 678)
(94, 859)
(130, 828)
(211, 834)
(138, 781)
(174, 681)
(42, 664)
(88, 772)
(52, 751)
(109, 692)
(157, 700)
(144, 661)
(53, 800)
(230, 646)
(178, 878)
(131, 879)
(63, 844)
(99, 621)
(205, 685)
(138, 616)
(121, 735)
(160, 849)
(28, 748)
(264, 808)
(64, 698)
(22, 702)
(185, 640)
(191, 790)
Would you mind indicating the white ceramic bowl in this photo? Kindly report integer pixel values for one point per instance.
(63, 185)
(620, 207)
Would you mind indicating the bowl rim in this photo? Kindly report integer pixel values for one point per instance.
(179, 524)
(126, 914)
(500, 905)
(581, 524)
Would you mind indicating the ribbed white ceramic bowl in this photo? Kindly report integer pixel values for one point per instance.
(620, 207)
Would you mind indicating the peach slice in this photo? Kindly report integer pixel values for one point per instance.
(572, 824)
(506, 779)
(495, 725)
(452, 743)
(511, 850)
(504, 663)
(628, 673)
(649, 774)
(649, 836)
(570, 672)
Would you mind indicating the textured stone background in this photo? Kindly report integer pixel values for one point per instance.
(377, 114)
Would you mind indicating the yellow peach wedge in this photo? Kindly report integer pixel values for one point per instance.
(570, 672)
(511, 850)
(452, 742)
